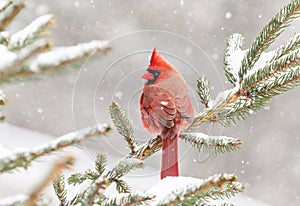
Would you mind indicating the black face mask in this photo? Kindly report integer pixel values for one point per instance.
(155, 73)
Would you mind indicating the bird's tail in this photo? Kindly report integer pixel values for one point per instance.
(169, 164)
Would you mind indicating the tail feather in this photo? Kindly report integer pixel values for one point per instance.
(169, 166)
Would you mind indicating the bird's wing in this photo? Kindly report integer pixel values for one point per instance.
(158, 109)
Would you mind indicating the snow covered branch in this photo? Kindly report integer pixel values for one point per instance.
(234, 46)
(192, 191)
(93, 194)
(257, 76)
(30, 32)
(35, 198)
(66, 56)
(216, 144)
(268, 35)
(203, 90)
(8, 10)
(128, 199)
(23, 158)
(120, 120)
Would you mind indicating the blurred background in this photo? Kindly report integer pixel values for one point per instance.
(191, 35)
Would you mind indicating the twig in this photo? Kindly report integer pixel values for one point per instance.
(24, 158)
(60, 164)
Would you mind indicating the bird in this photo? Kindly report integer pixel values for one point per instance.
(166, 109)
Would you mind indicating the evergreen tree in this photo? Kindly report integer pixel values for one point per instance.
(29, 53)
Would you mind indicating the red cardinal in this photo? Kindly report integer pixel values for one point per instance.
(166, 109)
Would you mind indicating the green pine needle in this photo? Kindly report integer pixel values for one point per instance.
(268, 35)
(234, 43)
(203, 90)
(60, 190)
(100, 163)
(120, 120)
(216, 144)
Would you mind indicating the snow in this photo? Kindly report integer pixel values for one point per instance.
(7, 57)
(264, 59)
(222, 95)
(4, 151)
(169, 186)
(228, 15)
(13, 200)
(222, 140)
(4, 35)
(3, 3)
(23, 181)
(60, 55)
(29, 32)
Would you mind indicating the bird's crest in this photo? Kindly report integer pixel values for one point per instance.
(158, 61)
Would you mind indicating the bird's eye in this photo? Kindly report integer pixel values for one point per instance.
(156, 73)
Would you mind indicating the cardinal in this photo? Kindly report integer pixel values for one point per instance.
(166, 109)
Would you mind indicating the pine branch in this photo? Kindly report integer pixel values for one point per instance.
(95, 189)
(234, 44)
(261, 75)
(100, 163)
(11, 67)
(216, 144)
(60, 164)
(25, 157)
(195, 190)
(3, 102)
(203, 90)
(291, 45)
(123, 167)
(78, 178)
(63, 56)
(9, 10)
(128, 199)
(145, 150)
(267, 36)
(120, 120)
(4, 38)
(4, 4)
(60, 190)
(31, 32)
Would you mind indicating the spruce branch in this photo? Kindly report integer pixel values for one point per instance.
(9, 10)
(78, 178)
(96, 188)
(268, 35)
(291, 45)
(100, 163)
(218, 187)
(65, 56)
(216, 144)
(234, 44)
(191, 190)
(120, 120)
(4, 4)
(60, 190)
(131, 199)
(145, 150)
(14, 61)
(31, 32)
(4, 38)
(203, 90)
(25, 157)
(62, 163)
